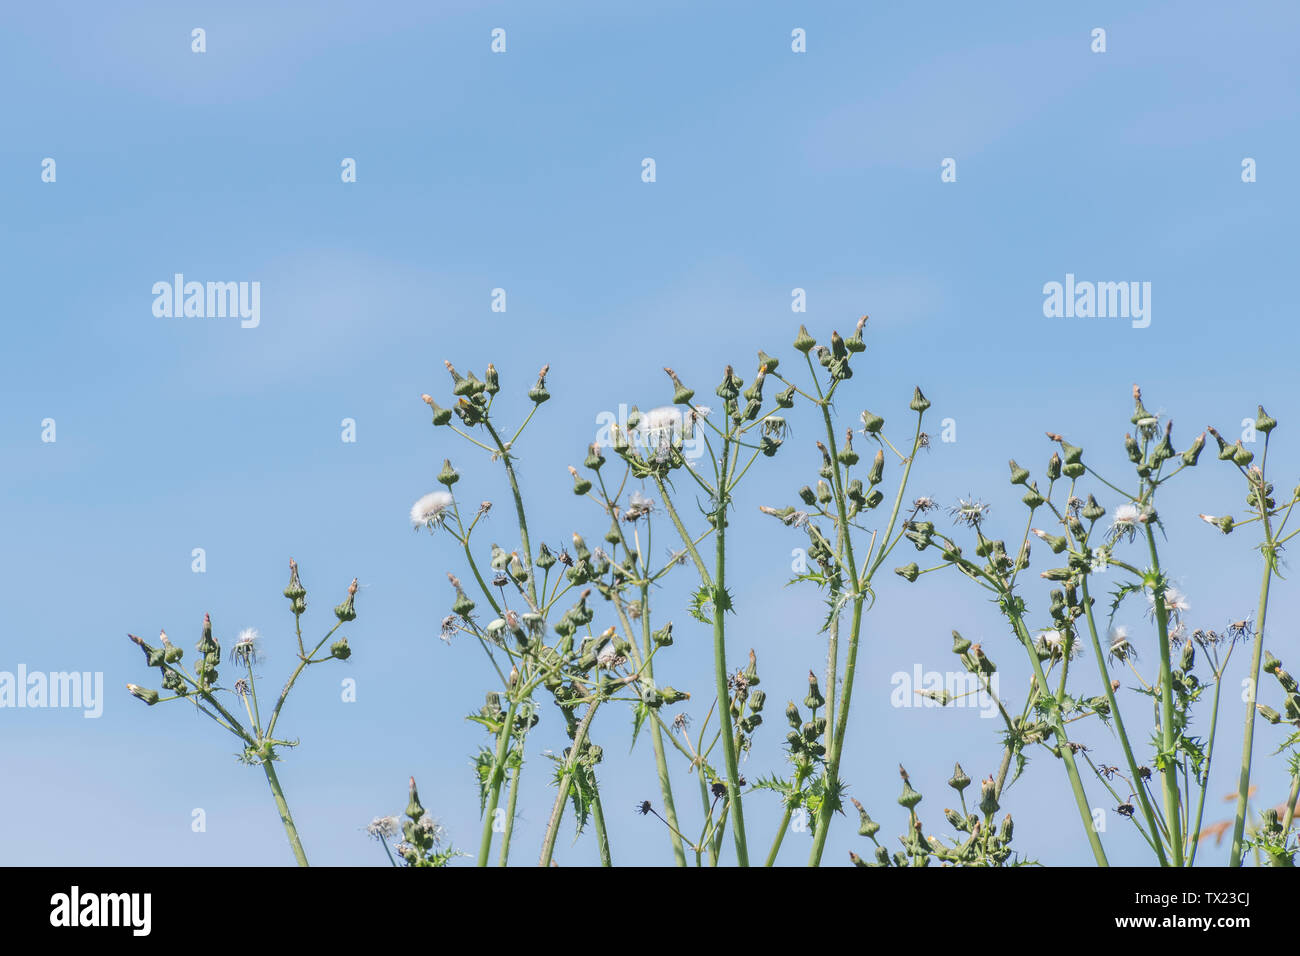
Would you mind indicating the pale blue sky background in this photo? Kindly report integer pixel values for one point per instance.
(522, 171)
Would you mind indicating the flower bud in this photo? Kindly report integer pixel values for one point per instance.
(872, 423)
(1019, 475)
(490, 381)
(1054, 466)
(1192, 454)
(538, 392)
(814, 698)
(295, 590)
(854, 343)
(909, 572)
(340, 649)
(792, 715)
(751, 672)
(846, 455)
(664, 636)
(150, 697)
(448, 476)
(807, 496)
(919, 402)
(823, 492)
(441, 416)
(959, 781)
(1032, 498)
(1092, 510)
(908, 798)
(1133, 449)
(580, 485)
(1241, 455)
(1264, 423)
(681, 395)
(877, 472)
(988, 797)
(982, 660)
(347, 610)
(960, 645)
(867, 827)
(803, 341)
(1269, 714)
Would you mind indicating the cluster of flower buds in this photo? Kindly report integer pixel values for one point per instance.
(836, 358)
(1291, 703)
(746, 702)
(805, 737)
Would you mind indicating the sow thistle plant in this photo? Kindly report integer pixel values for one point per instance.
(1159, 787)
(202, 689)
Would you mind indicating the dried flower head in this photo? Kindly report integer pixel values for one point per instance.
(431, 510)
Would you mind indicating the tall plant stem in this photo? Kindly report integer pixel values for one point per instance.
(510, 811)
(720, 667)
(1062, 741)
(1256, 657)
(494, 784)
(836, 751)
(285, 816)
(566, 781)
(1169, 770)
(715, 583)
(1147, 811)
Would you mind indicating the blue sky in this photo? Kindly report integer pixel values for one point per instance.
(521, 171)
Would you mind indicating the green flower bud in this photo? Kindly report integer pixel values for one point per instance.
(958, 781)
(792, 715)
(1192, 454)
(490, 380)
(982, 660)
(347, 610)
(846, 455)
(671, 695)
(1133, 449)
(681, 394)
(1269, 714)
(1242, 455)
(877, 472)
(580, 485)
(823, 492)
(960, 645)
(751, 672)
(1032, 498)
(955, 819)
(594, 457)
(875, 498)
(1019, 475)
(803, 341)
(807, 496)
(1075, 470)
(854, 343)
(866, 826)
(988, 797)
(664, 636)
(295, 591)
(538, 392)
(441, 416)
(150, 697)
(340, 649)
(1092, 510)
(919, 402)
(448, 476)
(1004, 834)
(909, 572)
(872, 423)
(909, 798)
(1054, 466)
(785, 397)
(814, 698)
(460, 386)
(1264, 423)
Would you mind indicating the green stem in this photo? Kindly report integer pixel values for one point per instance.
(510, 810)
(1147, 811)
(720, 669)
(494, 783)
(1169, 766)
(1243, 782)
(285, 816)
(566, 779)
(1063, 744)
